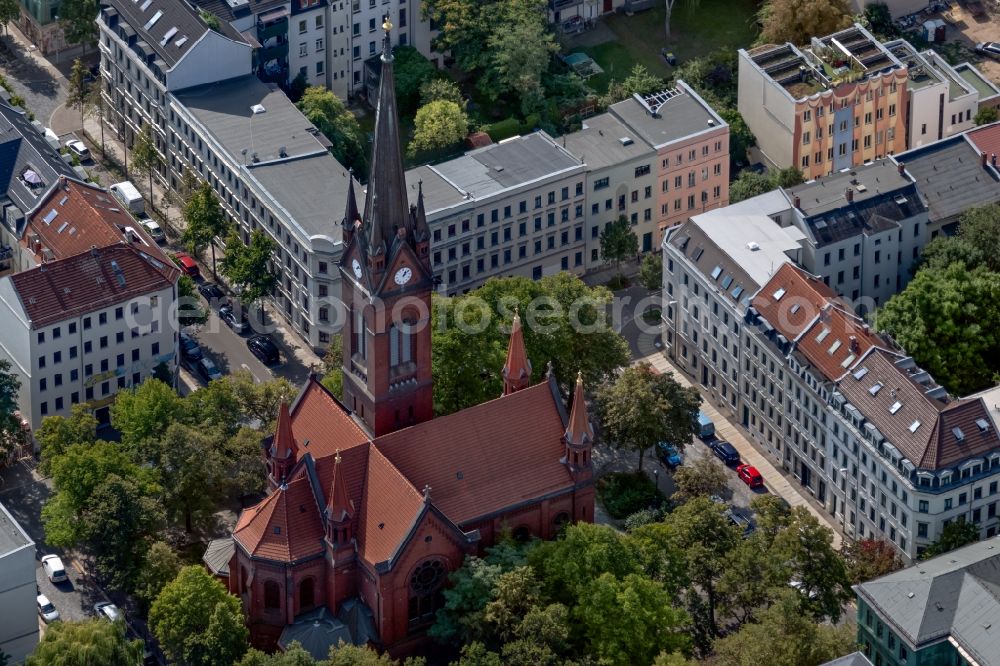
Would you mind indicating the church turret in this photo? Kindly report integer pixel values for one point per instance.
(339, 509)
(351, 214)
(421, 231)
(579, 435)
(284, 450)
(517, 369)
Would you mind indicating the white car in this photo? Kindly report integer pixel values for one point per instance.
(77, 147)
(107, 611)
(54, 569)
(46, 609)
(154, 230)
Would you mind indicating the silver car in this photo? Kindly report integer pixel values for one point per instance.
(107, 611)
(46, 609)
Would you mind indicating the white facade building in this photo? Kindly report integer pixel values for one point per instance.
(18, 611)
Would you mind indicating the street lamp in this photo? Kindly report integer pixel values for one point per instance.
(656, 477)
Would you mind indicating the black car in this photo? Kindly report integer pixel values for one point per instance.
(264, 348)
(236, 321)
(212, 293)
(189, 348)
(725, 452)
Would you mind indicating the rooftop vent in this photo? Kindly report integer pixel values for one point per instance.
(626, 141)
(282, 151)
(257, 108)
(753, 246)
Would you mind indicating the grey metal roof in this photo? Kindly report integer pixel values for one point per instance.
(318, 630)
(599, 143)
(950, 177)
(438, 192)
(174, 20)
(853, 659)
(312, 189)
(217, 555)
(12, 535)
(682, 114)
(22, 148)
(955, 595)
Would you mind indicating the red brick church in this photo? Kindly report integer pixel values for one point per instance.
(372, 501)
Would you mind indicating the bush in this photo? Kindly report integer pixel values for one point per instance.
(625, 493)
(643, 517)
(504, 129)
(618, 282)
(651, 316)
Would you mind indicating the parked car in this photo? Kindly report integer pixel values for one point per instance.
(154, 230)
(107, 611)
(725, 452)
(213, 293)
(991, 49)
(739, 519)
(750, 476)
(46, 609)
(187, 265)
(703, 426)
(77, 147)
(669, 454)
(189, 348)
(54, 569)
(208, 370)
(238, 322)
(264, 348)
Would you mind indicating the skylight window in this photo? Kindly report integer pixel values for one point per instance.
(726, 281)
(822, 335)
(982, 425)
(861, 373)
(848, 361)
(49, 216)
(716, 272)
(914, 426)
(834, 347)
(145, 5)
(778, 294)
(737, 290)
(152, 21)
(697, 253)
(875, 388)
(959, 435)
(181, 42)
(796, 308)
(167, 37)
(896, 406)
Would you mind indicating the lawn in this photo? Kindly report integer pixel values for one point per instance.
(695, 31)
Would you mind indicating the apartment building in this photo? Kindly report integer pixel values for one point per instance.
(82, 328)
(656, 160)
(513, 208)
(940, 611)
(709, 275)
(18, 614)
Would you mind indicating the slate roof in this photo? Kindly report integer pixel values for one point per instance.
(853, 659)
(217, 555)
(89, 281)
(22, 148)
(953, 596)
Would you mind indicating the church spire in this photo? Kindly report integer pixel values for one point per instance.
(338, 506)
(386, 209)
(351, 214)
(284, 450)
(579, 431)
(517, 369)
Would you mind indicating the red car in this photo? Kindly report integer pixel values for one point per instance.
(187, 264)
(750, 476)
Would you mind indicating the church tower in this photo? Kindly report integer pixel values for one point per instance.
(387, 284)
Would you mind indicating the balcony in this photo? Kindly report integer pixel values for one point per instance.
(273, 52)
(275, 28)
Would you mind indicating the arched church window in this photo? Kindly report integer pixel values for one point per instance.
(272, 595)
(307, 594)
(426, 582)
(400, 344)
(522, 534)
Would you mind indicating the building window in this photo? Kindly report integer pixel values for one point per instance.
(272, 595)
(426, 582)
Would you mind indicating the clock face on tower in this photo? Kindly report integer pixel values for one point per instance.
(403, 275)
(356, 265)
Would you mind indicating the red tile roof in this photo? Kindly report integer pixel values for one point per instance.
(389, 508)
(986, 139)
(284, 445)
(322, 425)
(835, 341)
(791, 299)
(75, 216)
(89, 281)
(286, 525)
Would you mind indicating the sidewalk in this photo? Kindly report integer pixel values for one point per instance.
(775, 478)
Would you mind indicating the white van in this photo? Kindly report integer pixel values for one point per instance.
(128, 194)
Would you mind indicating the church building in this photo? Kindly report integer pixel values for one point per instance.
(372, 501)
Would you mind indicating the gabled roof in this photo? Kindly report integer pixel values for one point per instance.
(89, 281)
(285, 526)
(791, 300)
(955, 596)
(22, 148)
(321, 425)
(986, 139)
(390, 506)
(835, 340)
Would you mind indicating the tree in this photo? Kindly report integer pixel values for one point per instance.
(197, 621)
(520, 51)
(463, 30)
(86, 643)
(145, 157)
(161, 566)
(986, 115)
(943, 251)
(77, 19)
(442, 89)
(78, 88)
(641, 82)
(412, 71)
(867, 559)
(205, 220)
(359, 655)
(142, 414)
(748, 185)
(297, 87)
(293, 655)
(787, 177)
(797, 21)
(651, 272)
(10, 10)
(980, 228)
(58, 433)
(954, 535)
(643, 407)
(565, 322)
(189, 309)
(701, 477)
(461, 619)
(438, 126)
(741, 139)
(333, 373)
(337, 123)
(11, 434)
(259, 401)
(879, 21)
(785, 637)
(249, 267)
(949, 320)
(618, 242)
(210, 19)
(669, 6)
(192, 473)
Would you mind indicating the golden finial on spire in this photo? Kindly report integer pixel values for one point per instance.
(579, 376)
(387, 24)
(337, 458)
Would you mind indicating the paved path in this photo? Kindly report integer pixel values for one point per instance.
(776, 480)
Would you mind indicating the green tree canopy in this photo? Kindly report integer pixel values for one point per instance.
(10, 424)
(748, 185)
(651, 272)
(190, 311)
(77, 19)
(333, 373)
(954, 535)
(642, 407)
(412, 71)
(197, 621)
(741, 139)
(701, 477)
(438, 126)
(879, 21)
(58, 433)
(249, 267)
(160, 567)
(520, 52)
(980, 228)
(86, 644)
(142, 414)
(440, 88)
(986, 115)
(797, 21)
(337, 123)
(78, 88)
(618, 241)
(564, 321)
(205, 220)
(145, 157)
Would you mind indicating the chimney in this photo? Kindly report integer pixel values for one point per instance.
(93, 251)
(798, 202)
(850, 195)
(993, 160)
(902, 168)
(854, 344)
(982, 157)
